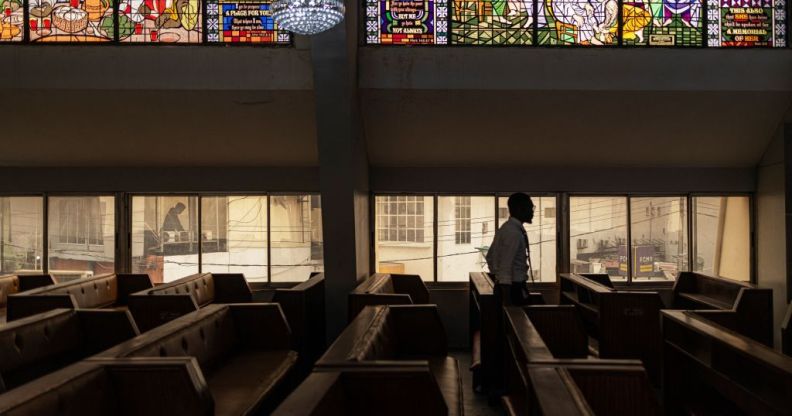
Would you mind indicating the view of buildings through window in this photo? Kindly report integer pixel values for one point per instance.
(723, 240)
(21, 234)
(81, 236)
(728, 23)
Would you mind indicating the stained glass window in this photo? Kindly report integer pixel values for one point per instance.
(663, 22)
(242, 22)
(160, 21)
(492, 22)
(71, 20)
(12, 20)
(407, 22)
(746, 23)
(578, 22)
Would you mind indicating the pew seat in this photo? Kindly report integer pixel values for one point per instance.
(388, 289)
(104, 291)
(399, 334)
(243, 351)
(40, 344)
(130, 387)
(12, 284)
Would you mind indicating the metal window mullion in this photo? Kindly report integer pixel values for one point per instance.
(691, 234)
(45, 237)
(563, 254)
(629, 240)
(200, 235)
(269, 239)
(434, 236)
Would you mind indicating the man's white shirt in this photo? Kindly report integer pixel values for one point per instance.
(507, 257)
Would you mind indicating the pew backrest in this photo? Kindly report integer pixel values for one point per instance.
(387, 289)
(304, 307)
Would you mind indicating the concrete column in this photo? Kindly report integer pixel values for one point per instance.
(343, 166)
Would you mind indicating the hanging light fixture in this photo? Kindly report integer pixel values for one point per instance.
(308, 17)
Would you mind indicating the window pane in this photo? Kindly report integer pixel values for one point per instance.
(394, 22)
(243, 21)
(165, 236)
(507, 23)
(21, 238)
(541, 235)
(659, 237)
(403, 251)
(578, 22)
(72, 21)
(81, 236)
(463, 235)
(723, 242)
(234, 235)
(297, 248)
(737, 24)
(682, 26)
(175, 21)
(598, 235)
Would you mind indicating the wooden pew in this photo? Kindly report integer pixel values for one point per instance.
(154, 386)
(786, 331)
(104, 291)
(243, 351)
(12, 284)
(625, 323)
(399, 335)
(377, 390)
(709, 369)
(549, 371)
(40, 344)
(387, 289)
(753, 304)
(484, 339)
(304, 307)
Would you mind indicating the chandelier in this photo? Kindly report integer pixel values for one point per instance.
(308, 17)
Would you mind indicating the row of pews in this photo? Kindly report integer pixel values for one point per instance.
(703, 347)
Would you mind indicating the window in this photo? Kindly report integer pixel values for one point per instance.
(297, 243)
(663, 23)
(21, 234)
(578, 22)
(234, 235)
(13, 25)
(541, 236)
(243, 22)
(70, 21)
(401, 219)
(399, 22)
(658, 229)
(462, 220)
(482, 22)
(165, 236)
(404, 235)
(79, 227)
(598, 234)
(160, 21)
(723, 241)
(464, 225)
(741, 23)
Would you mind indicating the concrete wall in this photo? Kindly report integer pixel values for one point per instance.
(770, 228)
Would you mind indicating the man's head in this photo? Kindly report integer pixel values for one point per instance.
(179, 208)
(521, 207)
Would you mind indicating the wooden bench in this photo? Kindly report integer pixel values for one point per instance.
(753, 304)
(40, 344)
(377, 390)
(154, 386)
(709, 369)
(104, 291)
(12, 284)
(243, 351)
(549, 371)
(387, 289)
(304, 307)
(398, 335)
(626, 324)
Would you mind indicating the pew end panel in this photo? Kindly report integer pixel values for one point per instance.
(151, 310)
(104, 328)
(754, 309)
(615, 390)
(786, 331)
(34, 281)
(261, 325)
(413, 285)
(358, 301)
(561, 329)
(420, 330)
(24, 305)
(304, 307)
(231, 288)
(129, 283)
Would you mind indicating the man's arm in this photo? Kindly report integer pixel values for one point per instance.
(509, 246)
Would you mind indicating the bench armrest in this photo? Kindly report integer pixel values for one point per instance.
(21, 305)
(131, 283)
(231, 288)
(34, 281)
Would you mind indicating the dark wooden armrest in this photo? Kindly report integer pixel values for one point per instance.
(34, 281)
(21, 305)
(131, 283)
(231, 288)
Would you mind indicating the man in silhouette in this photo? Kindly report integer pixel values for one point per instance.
(172, 222)
(507, 257)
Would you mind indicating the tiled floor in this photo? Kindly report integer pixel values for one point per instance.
(475, 404)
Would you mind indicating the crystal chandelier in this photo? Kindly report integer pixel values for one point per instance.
(308, 17)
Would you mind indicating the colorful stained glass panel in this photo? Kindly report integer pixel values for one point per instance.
(578, 22)
(406, 22)
(745, 23)
(71, 20)
(492, 22)
(160, 21)
(12, 20)
(663, 23)
(243, 22)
